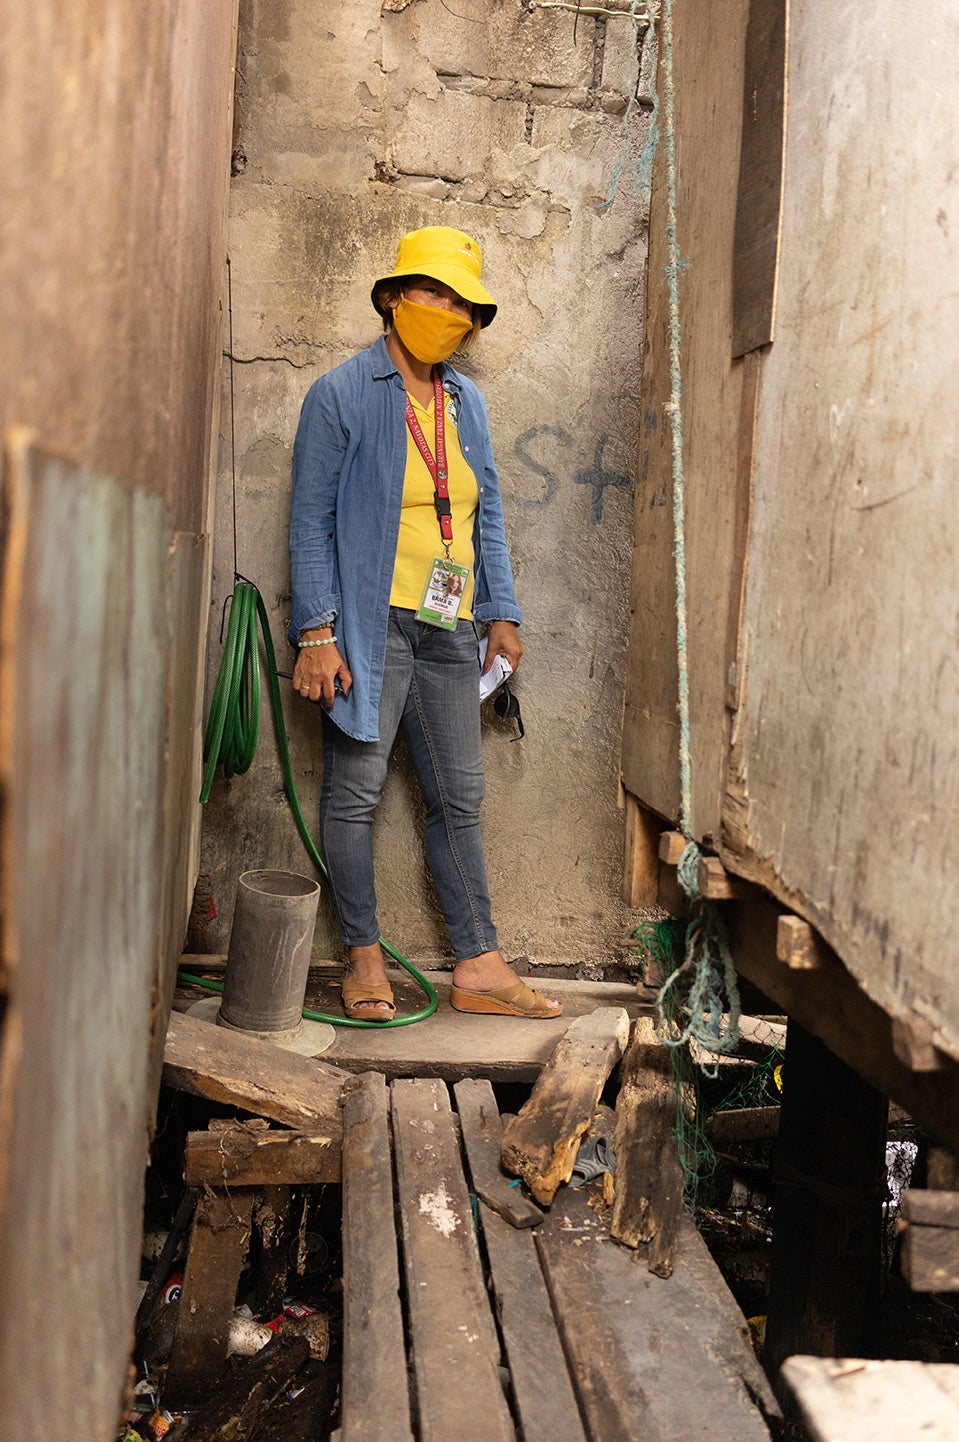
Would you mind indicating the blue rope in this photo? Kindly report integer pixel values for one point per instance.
(708, 965)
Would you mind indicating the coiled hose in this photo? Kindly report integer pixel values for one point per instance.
(232, 731)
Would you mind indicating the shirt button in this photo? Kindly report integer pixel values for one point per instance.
(466, 449)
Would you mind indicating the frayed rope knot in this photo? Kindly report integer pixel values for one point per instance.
(706, 972)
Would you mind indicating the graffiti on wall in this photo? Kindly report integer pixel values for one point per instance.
(599, 476)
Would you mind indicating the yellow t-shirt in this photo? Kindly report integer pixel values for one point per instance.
(419, 539)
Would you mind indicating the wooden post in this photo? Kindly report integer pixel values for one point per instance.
(641, 869)
(829, 1186)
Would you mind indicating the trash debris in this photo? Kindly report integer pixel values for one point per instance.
(594, 1157)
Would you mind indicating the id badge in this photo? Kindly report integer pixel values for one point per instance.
(443, 594)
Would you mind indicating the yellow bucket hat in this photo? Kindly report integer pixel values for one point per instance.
(450, 256)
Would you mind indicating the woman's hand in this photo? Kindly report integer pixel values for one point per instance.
(316, 672)
(502, 640)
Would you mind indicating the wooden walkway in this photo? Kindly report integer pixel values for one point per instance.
(447, 1044)
(461, 1324)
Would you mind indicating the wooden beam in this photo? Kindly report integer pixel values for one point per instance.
(629, 1336)
(832, 1005)
(930, 1209)
(914, 1042)
(648, 1181)
(930, 1258)
(541, 1142)
(218, 1245)
(743, 1124)
(248, 1157)
(829, 1183)
(860, 1400)
(672, 844)
(482, 1131)
(224, 1066)
(930, 1244)
(539, 1380)
(452, 1335)
(641, 868)
(717, 884)
(375, 1396)
(797, 945)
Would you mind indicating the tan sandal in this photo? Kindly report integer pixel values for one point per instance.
(518, 1000)
(357, 995)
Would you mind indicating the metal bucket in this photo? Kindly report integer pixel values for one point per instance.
(269, 957)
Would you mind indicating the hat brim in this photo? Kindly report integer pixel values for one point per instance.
(457, 277)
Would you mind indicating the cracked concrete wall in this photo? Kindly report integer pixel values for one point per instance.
(516, 123)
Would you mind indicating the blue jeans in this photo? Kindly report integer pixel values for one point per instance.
(431, 692)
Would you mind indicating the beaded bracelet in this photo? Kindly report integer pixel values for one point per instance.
(324, 641)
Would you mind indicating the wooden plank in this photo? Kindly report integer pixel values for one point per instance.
(759, 195)
(930, 1258)
(672, 844)
(451, 1046)
(715, 882)
(275, 1227)
(708, 54)
(452, 1336)
(482, 1133)
(218, 1245)
(930, 1209)
(253, 1157)
(188, 566)
(375, 1396)
(737, 644)
(629, 1336)
(214, 1062)
(797, 945)
(829, 1185)
(641, 866)
(648, 1181)
(542, 1391)
(861, 1400)
(541, 1142)
(838, 689)
(82, 776)
(742, 1124)
(914, 1042)
(832, 1005)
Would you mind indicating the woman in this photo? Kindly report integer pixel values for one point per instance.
(397, 548)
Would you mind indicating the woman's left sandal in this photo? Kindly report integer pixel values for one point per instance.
(519, 1000)
(357, 996)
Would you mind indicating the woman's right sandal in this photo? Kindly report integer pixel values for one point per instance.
(357, 996)
(518, 1000)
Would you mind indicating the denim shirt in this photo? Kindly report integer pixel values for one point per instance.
(349, 464)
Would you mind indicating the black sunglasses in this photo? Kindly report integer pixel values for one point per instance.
(506, 707)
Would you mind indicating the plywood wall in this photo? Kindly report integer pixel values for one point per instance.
(845, 785)
(117, 128)
(822, 543)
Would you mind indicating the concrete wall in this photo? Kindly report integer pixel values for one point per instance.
(359, 122)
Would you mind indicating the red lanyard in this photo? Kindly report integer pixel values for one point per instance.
(437, 468)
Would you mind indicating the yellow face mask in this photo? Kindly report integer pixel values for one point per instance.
(429, 332)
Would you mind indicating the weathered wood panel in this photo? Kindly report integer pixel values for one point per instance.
(709, 51)
(451, 1331)
(83, 680)
(116, 125)
(189, 597)
(651, 1359)
(860, 1400)
(845, 784)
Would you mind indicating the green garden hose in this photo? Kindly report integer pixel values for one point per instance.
(232, 732)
